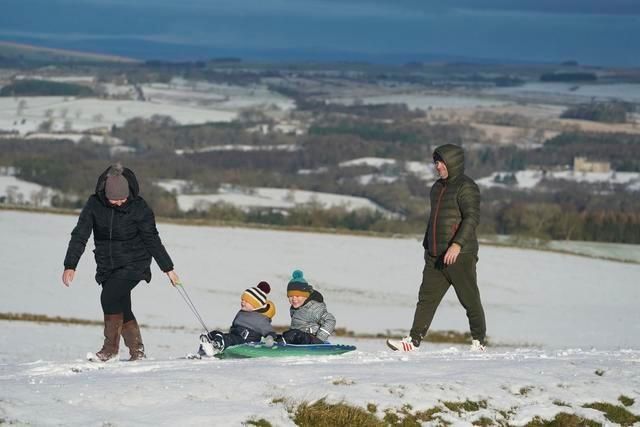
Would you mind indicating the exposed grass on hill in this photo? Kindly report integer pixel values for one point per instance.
(258, 423)
(453, 337)
(321, 413)
(45, 88)
(467, 406)
(43, 318)
(563, 420)
(626, 401)
(515, 242)
(615, 413)
(406, 417)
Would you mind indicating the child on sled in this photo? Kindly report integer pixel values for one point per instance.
(311, 323)
(251, 323)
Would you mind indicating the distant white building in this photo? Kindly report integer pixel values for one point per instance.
(581, 164)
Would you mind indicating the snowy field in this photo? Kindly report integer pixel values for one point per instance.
(565, 332)
(226, 97)
(619, 251)
(264, 197)
(528, 179)
(424, 101)
(187, 102)
(422, 170)
(17, 191)
(26, 114)
(628, 92)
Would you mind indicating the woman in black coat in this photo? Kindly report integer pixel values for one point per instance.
(126, 238)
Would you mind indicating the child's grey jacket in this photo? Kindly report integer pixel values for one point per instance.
(251, 325)
(313, 317)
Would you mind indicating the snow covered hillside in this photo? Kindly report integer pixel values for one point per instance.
(17, 191)
(528, 179)
(578, 316)
(190, 197)
(80, 114)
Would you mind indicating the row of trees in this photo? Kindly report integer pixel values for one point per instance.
(28, 87)
(564, 211)
(566, 222)
(607, 112)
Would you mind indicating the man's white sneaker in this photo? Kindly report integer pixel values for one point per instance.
(404, 344)
(477, 346)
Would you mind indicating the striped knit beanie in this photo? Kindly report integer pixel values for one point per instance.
(256, 296)
(298, 285)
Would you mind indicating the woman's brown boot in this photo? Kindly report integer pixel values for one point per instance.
(112, 331)
(133, 339)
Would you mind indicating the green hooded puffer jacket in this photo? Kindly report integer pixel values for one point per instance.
(455, 207)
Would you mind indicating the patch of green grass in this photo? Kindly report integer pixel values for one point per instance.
(626, 401)
(504, 414)
(391, 417)
(524, 391)
(277, 400)
(615, 413)
(323, 414)
(343, 381)
(43, 318)
(561, 403)
(428, 415)
(467, 405)
(563, 420)
(405, 418)
(483, 422)
(452, 337)
(258, 423)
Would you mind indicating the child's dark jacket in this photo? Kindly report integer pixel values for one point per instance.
(251, 326)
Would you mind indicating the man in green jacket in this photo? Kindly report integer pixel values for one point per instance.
(451, 250)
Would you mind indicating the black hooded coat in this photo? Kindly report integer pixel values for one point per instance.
(125, 237)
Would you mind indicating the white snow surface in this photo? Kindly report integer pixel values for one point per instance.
(422, 170)
(239, 147)
(226, 97)
(629, 92)
(580, 312)
(25, 114)
(277, 198)
(17, 191)
(75, 137)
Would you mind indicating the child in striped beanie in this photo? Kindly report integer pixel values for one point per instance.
(251, 323)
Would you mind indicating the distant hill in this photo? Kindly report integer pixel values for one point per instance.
(10, 51)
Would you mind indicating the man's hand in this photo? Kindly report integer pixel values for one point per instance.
(452, 254)
(67, 276)
(175, 280)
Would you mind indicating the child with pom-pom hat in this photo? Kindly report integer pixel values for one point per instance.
(251, 323)
(311, 323)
